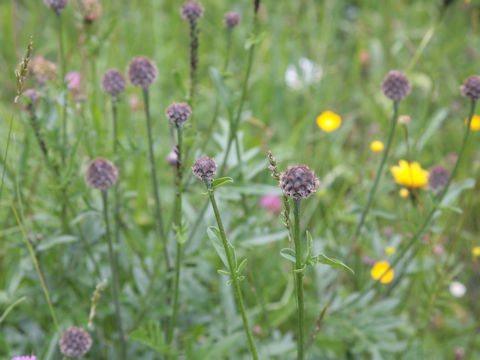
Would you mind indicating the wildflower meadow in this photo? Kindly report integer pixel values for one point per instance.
(247, 179)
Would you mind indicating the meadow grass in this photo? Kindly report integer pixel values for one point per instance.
(351, 46)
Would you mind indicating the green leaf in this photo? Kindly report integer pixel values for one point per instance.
(223, 272)
(289, 254)
(64, 239)
(221, 181)
(320, 258)
(151, 335)
(215, 237)
(241, 266)
(254, 40)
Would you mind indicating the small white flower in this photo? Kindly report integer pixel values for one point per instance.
(457, 289)
(307, 72)
(291, 77)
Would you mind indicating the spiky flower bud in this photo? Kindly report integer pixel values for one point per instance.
(231, 19)
(471, 88)
(172, 158)
(178, 113)
(101, 174)
(192, 11)
(113, 82)
(204, 168)
(396, 86)
(299, 182)
(56, 5)
(438, 177)
(142, 72)
(75, 342)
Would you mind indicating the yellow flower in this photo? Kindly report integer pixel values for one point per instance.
(390, 250)
(404, 193)
(475, 124)
(379, 269)
(328, 121)
(411, 175)
(376, 146)
(476, 251)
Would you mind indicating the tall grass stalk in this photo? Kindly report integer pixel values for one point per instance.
(233, 271)
(115, 286)
(115, 154)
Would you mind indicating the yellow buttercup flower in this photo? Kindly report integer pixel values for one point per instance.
(376, 146)
(379, 269)
(475, 124)
(411, 175)
(328, 121)
(404, 193)
(476, 251)
(390, 250)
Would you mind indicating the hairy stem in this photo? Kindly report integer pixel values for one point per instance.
(178, 223)
(233, 273)
(153, 169)
(299, 280)
(115, 287)
(373, 189)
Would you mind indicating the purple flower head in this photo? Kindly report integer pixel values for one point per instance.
(272, 203)
(25, 358)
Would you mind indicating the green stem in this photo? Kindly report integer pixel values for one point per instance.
(299, 280)
(373, 189)
(158, 207)
(243, 98)
(233, 272)
(115, 287)
(115, 155)
(61, 60)
(178, 223)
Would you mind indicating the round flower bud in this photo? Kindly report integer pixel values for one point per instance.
(471, 88)
(178, 113)
(396, 86)
(75, 342)
(142, 72)
(404, 120)
(231, 19)
(299, 182)
(56, 5)
(192, 11)
(92, 11)
(438, 177)
(101, 174)
(172, 158)
(113, 82)
(204, 168)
